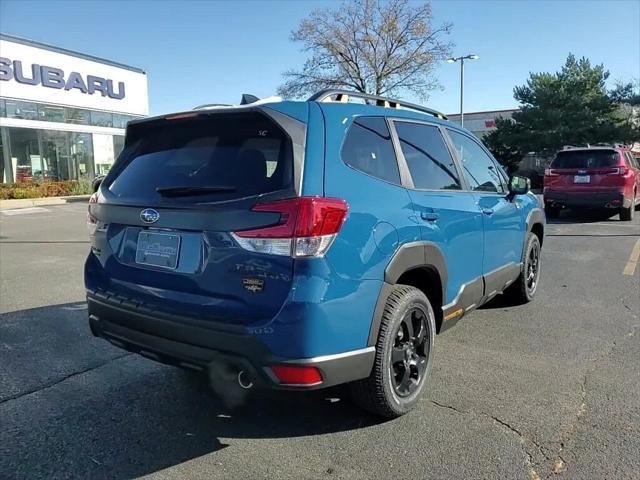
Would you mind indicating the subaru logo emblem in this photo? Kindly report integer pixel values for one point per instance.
(149, 215)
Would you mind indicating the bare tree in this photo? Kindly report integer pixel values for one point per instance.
(371, 46)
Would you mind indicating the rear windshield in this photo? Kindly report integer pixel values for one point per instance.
(213, 157)
(585, 159)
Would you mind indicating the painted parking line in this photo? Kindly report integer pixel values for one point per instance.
(23, 211)
(630, 267)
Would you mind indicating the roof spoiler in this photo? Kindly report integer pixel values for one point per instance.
(245, 101)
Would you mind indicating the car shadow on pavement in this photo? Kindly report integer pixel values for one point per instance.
(74, 406)
(568, 216)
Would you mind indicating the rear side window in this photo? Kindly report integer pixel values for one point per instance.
(586, 159)
(631, 161)
(429, 161)
(368, 148)
(209, 158)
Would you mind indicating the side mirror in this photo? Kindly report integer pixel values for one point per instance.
(519, 185)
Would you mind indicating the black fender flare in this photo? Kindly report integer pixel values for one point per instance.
(536, 215)
(409, 256)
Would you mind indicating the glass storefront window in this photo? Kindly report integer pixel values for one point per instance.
(118, 145)
(102, 119)
(51, 113)
(56, 157)
(5, 169)
(82, 154)
(24, 110)
(78, 116)
(26, 161)
(120, 121)
(103, 152)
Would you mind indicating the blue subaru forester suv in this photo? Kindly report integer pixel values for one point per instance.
(306, 244)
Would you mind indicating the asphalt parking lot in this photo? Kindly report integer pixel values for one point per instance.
(549, 389)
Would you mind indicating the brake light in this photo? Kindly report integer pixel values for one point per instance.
(618, 171)
(92, 222)
(306, 228)
(181, 116)
(297, 375)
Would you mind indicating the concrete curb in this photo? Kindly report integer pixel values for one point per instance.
(41, 202)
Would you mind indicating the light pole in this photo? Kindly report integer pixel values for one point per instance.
(461, 60)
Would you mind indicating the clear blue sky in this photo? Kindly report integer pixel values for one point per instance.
(201, 52)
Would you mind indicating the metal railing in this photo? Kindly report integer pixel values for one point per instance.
(342, 96)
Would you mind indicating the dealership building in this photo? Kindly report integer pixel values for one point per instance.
(63, 113)
(482, 123)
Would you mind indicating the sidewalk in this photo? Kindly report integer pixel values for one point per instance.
(40, 202)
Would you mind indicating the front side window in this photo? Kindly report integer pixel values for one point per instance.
(427, 156)
(368, 148)
(477, 166)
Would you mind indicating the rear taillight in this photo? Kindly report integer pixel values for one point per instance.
(550, 172)
(307, 227)
(92, 222)
(618, 171)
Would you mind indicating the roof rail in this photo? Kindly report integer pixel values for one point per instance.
(342, 96)
(593, 145)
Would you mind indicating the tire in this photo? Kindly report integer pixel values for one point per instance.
(390, 391)
(627, 214)
(552, 212)
(523, 290)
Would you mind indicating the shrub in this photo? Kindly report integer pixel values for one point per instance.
(81, 187)
(25, 192)
(45, 189)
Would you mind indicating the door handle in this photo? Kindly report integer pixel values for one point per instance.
(487, 211)
(429, 216)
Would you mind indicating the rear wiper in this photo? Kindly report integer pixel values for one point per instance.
(194, 190)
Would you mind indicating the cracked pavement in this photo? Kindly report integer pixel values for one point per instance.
(545, 390)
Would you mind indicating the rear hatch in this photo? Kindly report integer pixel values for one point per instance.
(165, 214)
(585, 170)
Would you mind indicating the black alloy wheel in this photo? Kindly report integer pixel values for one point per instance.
(533, 268)
(409, 353)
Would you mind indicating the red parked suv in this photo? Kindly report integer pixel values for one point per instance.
(593, 177)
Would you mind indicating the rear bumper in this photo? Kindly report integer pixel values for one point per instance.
(610, 199)
(184, 342)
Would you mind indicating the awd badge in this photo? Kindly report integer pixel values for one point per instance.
(253, 285)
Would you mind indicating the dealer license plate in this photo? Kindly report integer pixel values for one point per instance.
(158, 249)
(582, 179)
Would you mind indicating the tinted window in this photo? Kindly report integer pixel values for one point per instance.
(25, 110)
(102, 119)
(76, 115)
(427, 157)
(631, 161)
(246, 154)
(585, 159)
(478, 167)
(51, 113)
(368, 148)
